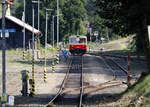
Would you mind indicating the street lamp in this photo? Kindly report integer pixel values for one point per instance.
(46, 42)
(33, 82)
(3, 53)
(24, 37)
(38, 14)
(38, 2)
(57, 22)
(53, 24)
(46, 25)
(53, 30)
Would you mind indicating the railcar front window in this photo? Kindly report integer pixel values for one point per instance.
(73, 40)
(82, 40)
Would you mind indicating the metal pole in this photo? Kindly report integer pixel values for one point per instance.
(38, 2)
(24, 37)
(45, 46)
(46, 32)
(57, 22)
(38, 39)
(51, 37)
(3, 52)
(33, 82)
(107, 33)
(38, 14)
(53, 31)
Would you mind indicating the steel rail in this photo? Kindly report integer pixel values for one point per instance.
(81, 89)
(124, 70)
(62, 84)
(108, 83)
(96, 86)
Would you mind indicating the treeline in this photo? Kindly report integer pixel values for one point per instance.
(108, 17)
(72, 16)
(127, 17)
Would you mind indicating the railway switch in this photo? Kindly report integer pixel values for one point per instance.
(24, 75)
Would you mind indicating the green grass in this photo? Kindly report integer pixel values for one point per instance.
(141, 92)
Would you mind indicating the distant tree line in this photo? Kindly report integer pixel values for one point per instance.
(126, 17)
(72, 19)
(108, 17)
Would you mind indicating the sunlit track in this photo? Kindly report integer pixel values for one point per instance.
(108, 84)
(72, 80)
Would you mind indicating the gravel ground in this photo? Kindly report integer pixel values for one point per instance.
(94, 69)
(96, 72)
(42, 90)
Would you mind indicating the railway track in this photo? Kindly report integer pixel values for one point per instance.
(117, 71)
(113, 68)
(73, 89)
(72, 80)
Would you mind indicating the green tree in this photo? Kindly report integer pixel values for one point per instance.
(128, 17)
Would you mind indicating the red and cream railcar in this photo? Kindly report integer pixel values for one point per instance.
(77, 45)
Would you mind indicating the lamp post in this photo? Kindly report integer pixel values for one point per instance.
(3, 53)
(46, 25)
(38, 19)
(46, 43)
(24, 34)
(53, 30)
(38, 2)
(32, 92)
(38, 14)
(57, 22)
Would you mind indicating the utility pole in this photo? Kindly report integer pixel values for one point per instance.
(4, 95)
(57, 22)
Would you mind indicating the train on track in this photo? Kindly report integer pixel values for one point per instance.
(77, 45)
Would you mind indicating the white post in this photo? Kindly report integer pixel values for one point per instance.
(149, 33)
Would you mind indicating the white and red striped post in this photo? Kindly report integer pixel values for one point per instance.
(129, 68)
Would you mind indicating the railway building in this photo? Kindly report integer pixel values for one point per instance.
(14, 32)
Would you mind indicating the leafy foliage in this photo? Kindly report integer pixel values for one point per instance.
(71, 20)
